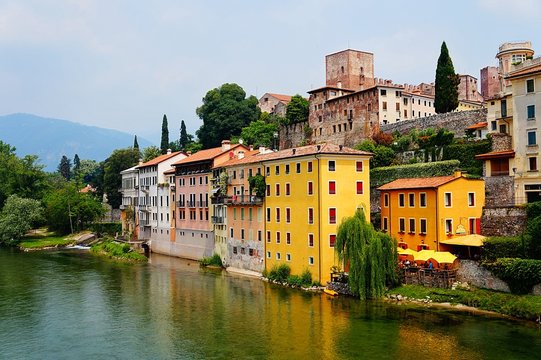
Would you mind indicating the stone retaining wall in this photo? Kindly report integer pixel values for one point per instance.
(503, 221)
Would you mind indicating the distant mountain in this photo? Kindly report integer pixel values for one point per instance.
(50, 139)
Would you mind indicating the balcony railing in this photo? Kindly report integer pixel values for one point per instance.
(217, 219)
(190, 204)
(181, 204)
(144, 222)
(202, 204)
(243, 200)
(217, 200)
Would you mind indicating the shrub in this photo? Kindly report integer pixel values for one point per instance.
(116, 250)
(279, 273)
(520, 274)
(465, 153)
(294, 280)
(502, 247)
(387, 174)
(213, 260)
(306, 278)
(102, 228)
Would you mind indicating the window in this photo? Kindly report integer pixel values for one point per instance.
(277, 171)
(385, 106)
(411, 200)
(268, 254)
(385, 224)
(311, 240)
(332, 240)
(250, 214)
(422, 226)
(258, 235)
(298, 168)
(530, 86)
(449, 226)
(310, 215)
(310, 260)
(268, 236)
(532, 163)
(231, 232)
(422, 200)
(309, 166)
(471, 199)
(412, 226)
(493, 125)
(268, 189)
(288, 238)
(277, 237)
(359, 166)
(277, 189)
(242, 213)
(401, 200)
(241, 234)
(310, 188)
(288, 189)
(503, 108)
(401, 225)
(531, 111)
(332, 165)
(267, 171)
(397, 106)
(475, 225)
(234, 249)
(288, 215)
(385, 200)
(447, 199)
(288, 257)
(332, 216)
(383, 92)
(532, 138)
(268, 214)
(277, 215)
(332, 187)
(359, 187)
(286, 169)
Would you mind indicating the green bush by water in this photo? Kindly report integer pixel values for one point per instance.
(520, 274)
(213, 260)
(502, 247)
(117, 251)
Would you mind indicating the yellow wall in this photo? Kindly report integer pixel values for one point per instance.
(435, 212)
(345, 200)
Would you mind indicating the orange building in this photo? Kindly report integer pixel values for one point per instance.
(422, 212)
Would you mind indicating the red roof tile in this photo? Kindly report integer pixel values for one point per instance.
(159, 159)
(478, 126)
(417, 183)
(496, 155)
(207, 154)
(525, 71)
(281, 97)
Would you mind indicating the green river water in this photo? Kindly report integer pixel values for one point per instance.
(71, 305)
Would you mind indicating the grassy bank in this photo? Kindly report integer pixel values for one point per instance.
(520, 306)
(46, 240)
(117, 251)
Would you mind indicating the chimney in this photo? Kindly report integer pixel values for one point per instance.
(168, 151)
(226, 145)
(262, 149)
(240, 155)
(457, 173)
(188, 153)
(318, 147)
(251, 148)
(340, 147)
(140, 161)
(294, 150)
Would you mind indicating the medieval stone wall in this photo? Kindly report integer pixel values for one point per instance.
(503, 221)
(456, 122)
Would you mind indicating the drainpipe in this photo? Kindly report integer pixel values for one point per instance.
(437, 222)
(320, 221)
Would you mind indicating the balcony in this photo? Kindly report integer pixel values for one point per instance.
(243, 200)
(217, 219)
(146, 208)
(181, 204)
(144, 222)
(217, 200)
(190, 204)
(145, 188)
(202, 204)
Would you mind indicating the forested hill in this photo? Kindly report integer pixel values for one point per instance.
(50, 139)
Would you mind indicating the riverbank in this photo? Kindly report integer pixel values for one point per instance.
(117, 251)
(42, 239)
(526, 307)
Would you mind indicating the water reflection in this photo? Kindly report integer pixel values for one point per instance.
(73, 305)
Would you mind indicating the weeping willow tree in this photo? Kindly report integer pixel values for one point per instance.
(371, 256)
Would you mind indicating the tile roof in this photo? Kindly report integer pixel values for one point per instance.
(207, 154)
(527, 71)
(478, 126)
(169, 172)
(417, 183)
(159, 159)
(324, 148)
(496, 155)
(281, 97)
(329, 87)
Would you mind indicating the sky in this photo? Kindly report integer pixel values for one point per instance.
(124, 64)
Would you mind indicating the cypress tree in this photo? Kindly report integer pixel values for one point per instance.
(446, 97)
(135, 143)
(64, 168)
(165, 136)
(183, 141)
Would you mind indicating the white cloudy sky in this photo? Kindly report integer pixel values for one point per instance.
(122, 64)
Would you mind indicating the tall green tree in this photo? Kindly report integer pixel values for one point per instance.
(150, 153)
(64, 168)
(259, 133)
(135, 143)
(17, 217)
(297, 109)
(225, 111)
(446, 97)
(371, 256)
(119, 160)
(183, 140)
(164, 144)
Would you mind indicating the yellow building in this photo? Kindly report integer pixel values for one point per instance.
(422, 212)
(309, 190)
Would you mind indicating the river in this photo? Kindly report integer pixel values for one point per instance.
(72, 305)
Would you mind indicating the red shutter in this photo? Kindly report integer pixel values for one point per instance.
(477, 226)
(359, 166)
(332, 239)
(332, 216)
(332, 187)
(359, 187)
